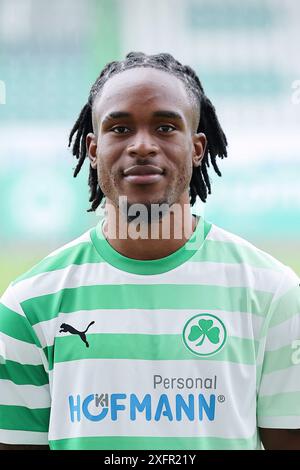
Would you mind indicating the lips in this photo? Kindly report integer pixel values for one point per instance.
(143, 170)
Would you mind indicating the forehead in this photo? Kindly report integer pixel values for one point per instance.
(143, 86)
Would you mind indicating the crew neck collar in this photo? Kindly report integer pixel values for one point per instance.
(148, 267)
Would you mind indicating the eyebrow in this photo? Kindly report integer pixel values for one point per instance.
(122, 114)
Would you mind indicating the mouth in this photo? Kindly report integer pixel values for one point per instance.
(143, 174)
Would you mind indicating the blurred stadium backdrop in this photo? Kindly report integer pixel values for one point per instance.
(247, 57)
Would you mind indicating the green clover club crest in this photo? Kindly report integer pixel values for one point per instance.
(205, 330)
(204, 334)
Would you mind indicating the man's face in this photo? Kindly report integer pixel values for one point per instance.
(144, 116)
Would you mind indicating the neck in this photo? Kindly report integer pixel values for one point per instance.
(148, 241)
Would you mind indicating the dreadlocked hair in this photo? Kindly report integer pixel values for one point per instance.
(208, 124)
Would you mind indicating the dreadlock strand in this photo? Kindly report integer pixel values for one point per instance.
(77, 125)
(96, 200)
(203, 170)
(93, 183)
(198, 183)
(215, 166)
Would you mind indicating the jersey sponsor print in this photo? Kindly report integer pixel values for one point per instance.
(191, 351)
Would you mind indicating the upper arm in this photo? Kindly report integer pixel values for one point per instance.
(280, 439)
(24, 382)
(278, 398)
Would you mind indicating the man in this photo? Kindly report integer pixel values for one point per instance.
(155, 329)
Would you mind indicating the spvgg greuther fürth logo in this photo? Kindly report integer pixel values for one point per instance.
(204, 334)
(65, 328)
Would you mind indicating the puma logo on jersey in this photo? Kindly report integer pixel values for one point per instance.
(65, 328)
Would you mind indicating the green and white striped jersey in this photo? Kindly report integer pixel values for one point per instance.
(192, 351)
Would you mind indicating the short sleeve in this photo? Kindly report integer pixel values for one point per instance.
(24, 384)
(278, 403)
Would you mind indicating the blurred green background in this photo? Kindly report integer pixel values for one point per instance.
(246, 55)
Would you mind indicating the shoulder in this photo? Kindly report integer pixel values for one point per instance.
(70, 253)
(239, 250)
(53, 272)
(243, 260)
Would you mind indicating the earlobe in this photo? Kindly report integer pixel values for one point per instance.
(91, 146)
(200, 142)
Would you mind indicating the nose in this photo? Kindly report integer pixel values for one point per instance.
(142, 145)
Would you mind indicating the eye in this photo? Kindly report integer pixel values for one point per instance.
(166, 128)
(120, 130)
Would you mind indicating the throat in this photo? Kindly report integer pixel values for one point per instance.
(152, 247)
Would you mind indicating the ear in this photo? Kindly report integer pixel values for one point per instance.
(91, 145)
(199, 143)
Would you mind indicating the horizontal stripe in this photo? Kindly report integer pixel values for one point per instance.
(134, 321)
(281, 404)
(232, 250)
(146, 297)
(23, 437)
(286, 306)
(280, 422)
(254, 255)
(16, 326)
(24, 419)
(219, 234)
(152, 443)
(21, 374)
(283, 334)
(279, 359)
(189, 377)
(258, 376)
(29, 396)
(8, 300)
(229, 252)
(289, 281)
(146, 347)
(3, 355)
(206, 273)
(286, 380)
(121, 376)
(85, 237)
(80, 254)
(20, 351)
